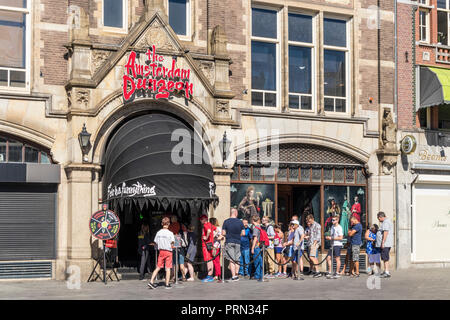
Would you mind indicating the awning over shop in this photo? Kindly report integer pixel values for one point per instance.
(142, 165)
(434, 87)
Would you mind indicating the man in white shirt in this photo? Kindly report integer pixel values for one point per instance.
(387, 241)
(336, 236)
(164, 240)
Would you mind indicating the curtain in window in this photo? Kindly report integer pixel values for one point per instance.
(12, 39)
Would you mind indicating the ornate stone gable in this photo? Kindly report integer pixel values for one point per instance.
(156, 35)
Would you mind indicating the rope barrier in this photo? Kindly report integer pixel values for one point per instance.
(315, 264)
(202, 262)
(245, 264)
(279, 264)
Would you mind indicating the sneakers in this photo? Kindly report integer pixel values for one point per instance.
(317, 275)
(385, 275)
(168, 286)
(269, 276)
(208, 279)
(234, 279)
(152, 285)
(190, 279)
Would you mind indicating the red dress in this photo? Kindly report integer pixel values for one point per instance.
(356, 211)
(207, 254)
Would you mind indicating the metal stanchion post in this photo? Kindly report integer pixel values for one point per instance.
(156, 261)
(263, 257)
(176, 265)
(223, 264)
(104, 262)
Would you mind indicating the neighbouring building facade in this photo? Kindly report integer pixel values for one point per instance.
(423, 122)
(303, 89)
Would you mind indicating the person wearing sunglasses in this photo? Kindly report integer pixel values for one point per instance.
(336, 236)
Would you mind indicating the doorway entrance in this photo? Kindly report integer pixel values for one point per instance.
(297, 200)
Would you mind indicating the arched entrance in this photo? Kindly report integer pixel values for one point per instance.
(154, 166)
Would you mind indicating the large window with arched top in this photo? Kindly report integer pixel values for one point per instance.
(15, 150)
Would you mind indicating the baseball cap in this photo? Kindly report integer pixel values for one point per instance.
(295, 222)
(203, 216)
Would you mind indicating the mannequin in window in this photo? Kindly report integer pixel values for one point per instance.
(356, 209)
(249, 204)
(345, 216)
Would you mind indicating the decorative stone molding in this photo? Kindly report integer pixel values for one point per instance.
(98, 57)
(208, 69)
(155, 35)
(222, 109)
(81, 98)
(388, 153)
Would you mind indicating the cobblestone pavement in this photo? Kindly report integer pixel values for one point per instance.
(404, 284)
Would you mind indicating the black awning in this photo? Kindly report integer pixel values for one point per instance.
(434, 87)
(139, 165)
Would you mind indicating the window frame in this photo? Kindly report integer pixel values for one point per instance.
(24, 144)
(313, 46)
(426, 26)
(27, 69)
(277, 41)
(189, 26)
(447, 11)
(124, 28)
(348, 69)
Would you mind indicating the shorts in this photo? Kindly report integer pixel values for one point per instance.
(181, 253)
(374, 258)
(233, 251)
(314, 250)
(297, 254)
(355, 252)
(288, 251)
(336, 251)
(207, 255)
(165, 258)
(278, 250)
(385, 254)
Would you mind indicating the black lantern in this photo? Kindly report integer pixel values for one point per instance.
(85, 143)
(224, 146)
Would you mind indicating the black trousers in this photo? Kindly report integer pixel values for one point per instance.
(145, 263)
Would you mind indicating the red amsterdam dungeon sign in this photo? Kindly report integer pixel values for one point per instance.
(104, 224)
(154, 79)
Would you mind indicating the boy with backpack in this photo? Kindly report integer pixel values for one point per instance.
(259, 237)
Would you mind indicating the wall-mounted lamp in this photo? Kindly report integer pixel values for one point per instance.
(224, 146)
(85, 142)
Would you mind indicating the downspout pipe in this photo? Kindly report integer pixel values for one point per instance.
(396, 122)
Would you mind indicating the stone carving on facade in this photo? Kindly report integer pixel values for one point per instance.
(388, 152)
(389, 130)
(155, 35)
(208, 70)
(222, 109)
(82, 98)
(98, 57)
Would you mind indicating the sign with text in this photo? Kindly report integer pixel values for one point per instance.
(104, 225)
(153, 78)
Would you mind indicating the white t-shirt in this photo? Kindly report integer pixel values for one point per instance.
(217, 233)
(336, 232)
(164, 239)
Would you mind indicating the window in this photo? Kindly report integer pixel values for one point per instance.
(443, 17)
(265, 47)
(301, 53)
(179, 16)
(335, 65)
(12, 150)
(14, 40)
(114, 14)
(423, 26)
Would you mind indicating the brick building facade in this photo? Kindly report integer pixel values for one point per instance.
(422, 177)
(312, 79)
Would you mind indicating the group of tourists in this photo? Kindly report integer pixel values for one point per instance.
(246, 241)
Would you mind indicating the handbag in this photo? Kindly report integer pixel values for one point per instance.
(209, 246)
